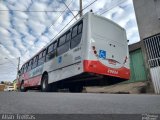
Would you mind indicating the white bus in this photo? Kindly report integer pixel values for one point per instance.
(93, 50)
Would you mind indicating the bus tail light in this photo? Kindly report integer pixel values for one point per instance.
(93, 47)
(94, 51)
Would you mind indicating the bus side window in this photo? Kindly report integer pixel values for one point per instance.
(22, 71)
(62, 40)
(41, 59)
(29, 65)
(50, 48)
(44, 53)
(40, 55)
(55, 45)
(76, 38)
(74, 32)
(79, 28)
(34, 64)
(68, 36)
(62, 48)
(51, 52)
(26, 67)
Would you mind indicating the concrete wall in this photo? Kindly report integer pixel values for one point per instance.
(147, 15)
(158, 8)
(134, 46)
(148, 20)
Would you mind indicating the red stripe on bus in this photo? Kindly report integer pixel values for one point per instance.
(33, 81)
(99, 68)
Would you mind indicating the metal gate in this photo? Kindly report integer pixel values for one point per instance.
(152, 45)
(138, 71)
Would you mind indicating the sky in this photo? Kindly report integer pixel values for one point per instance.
(26, 26)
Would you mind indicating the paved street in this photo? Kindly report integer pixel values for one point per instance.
(37, 102)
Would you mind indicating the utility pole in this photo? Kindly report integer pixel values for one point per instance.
(80, 8)
(18, 68)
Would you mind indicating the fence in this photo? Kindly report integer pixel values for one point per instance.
(152, 45)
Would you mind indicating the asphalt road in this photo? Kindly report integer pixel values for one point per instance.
(81, 103)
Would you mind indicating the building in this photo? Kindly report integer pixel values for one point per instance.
(2, 86)
(148, 20)
(15, 85)
(137, 67)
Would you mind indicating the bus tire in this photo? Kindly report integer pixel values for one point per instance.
(22, 88)
(45, 87)
(76, 89)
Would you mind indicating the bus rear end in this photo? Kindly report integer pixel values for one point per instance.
(107, 52)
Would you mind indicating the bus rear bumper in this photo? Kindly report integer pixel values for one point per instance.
(99, 68)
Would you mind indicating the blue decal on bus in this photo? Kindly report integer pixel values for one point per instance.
(60, 59)
(102, 54)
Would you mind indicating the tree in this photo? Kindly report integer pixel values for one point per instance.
(2, 82)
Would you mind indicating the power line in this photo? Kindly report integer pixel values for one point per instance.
(89, 4)
(112, 7)
(61, 14)
(34, 10)
(68, 22)
(73, 19)
(64, 27)
(70, 10)
(52, 24)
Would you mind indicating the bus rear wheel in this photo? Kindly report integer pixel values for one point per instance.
(22, 88)
(45, 87)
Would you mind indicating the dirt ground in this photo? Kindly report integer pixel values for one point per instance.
(125, 88)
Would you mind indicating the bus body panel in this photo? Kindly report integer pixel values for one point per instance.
(66, 65)
(107, 48)
(33, 77)
(70, 63)
(103, 50)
